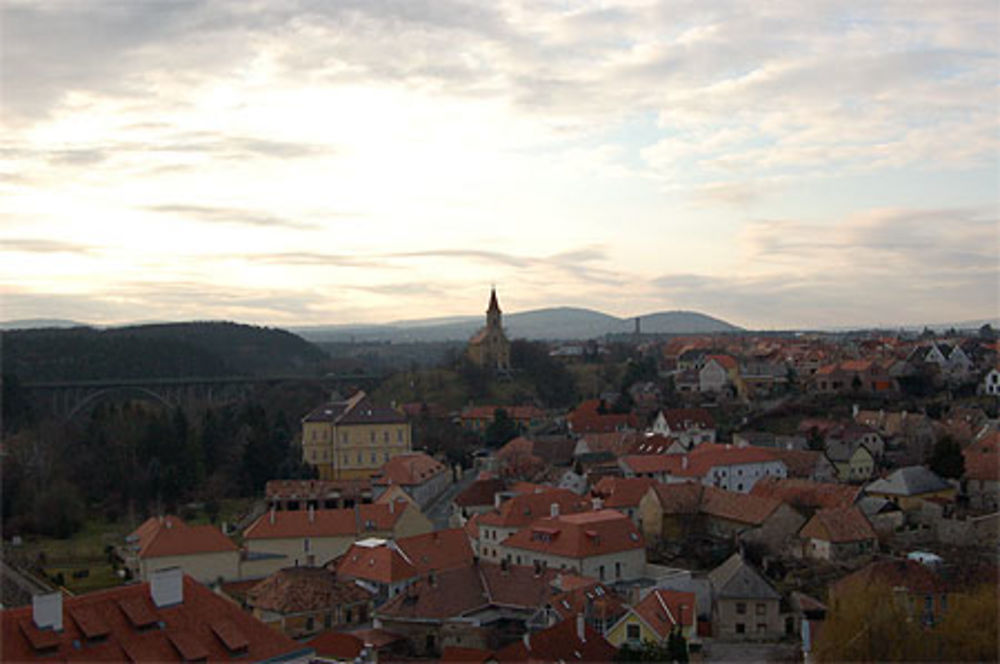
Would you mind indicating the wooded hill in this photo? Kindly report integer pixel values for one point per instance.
(172, 350)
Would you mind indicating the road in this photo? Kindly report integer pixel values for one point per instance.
(440, 510)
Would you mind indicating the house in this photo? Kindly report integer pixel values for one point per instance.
(806, 464)
(908, 487)
(838, 533)
(302, 601)
(981, 482)
(604, 545)
(655, 617)
(520, 510)
(719, 373)
(807, 495)
(852, 463)
(313, 537)
(574, 595)
(320, 494)
(745, 606)
(479, 418)
(991, 382)
(201, 552)
(595, 416)
(337, 648)
(571, 640)
(489, 348)
(723, 466)
(926, 592)
(170, 618)
(617, 443)
(352, 439)
(421, 476)
(478, 498)
(688, 425)
(378, 566)
(863, 376)
(671, 511)
(466, 606)
(884, 515)
(622, 494)
(770, 440)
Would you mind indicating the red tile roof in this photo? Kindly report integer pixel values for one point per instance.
(459, 654)
(336, 645)
(806, 493)
(679, 498)
(300, 589)
(915, 577)
(663, 610)
(523, 509)
(725, 361)
(688, 418)
(622, 492)
(409, 470)
(798, 463)
(838, 525)
(199, 626)
(437, 550)
(740, 507)
(170, 536)
(519, 413)
(560, 643)
(982, 458)
(595, 600)
(579, 535)
(479, 493)
(382, 564)
(357, 520)
(587, 418)
(315, 489)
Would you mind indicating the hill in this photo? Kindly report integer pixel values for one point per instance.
(552, 324)
(171, 350)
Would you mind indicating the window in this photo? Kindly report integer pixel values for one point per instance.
(371, 436)
(310, 624)
(347, 616)
(305, 544)
(385, 436)
(374, 457)
(761, 608)
(632, 632)
(618, 570)
(600, 572)
(741, 608)
(328, 621)
(761, 628)
(359, 457)
(399, 435)
(741, 628)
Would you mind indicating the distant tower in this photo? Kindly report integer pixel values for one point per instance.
(489, 348)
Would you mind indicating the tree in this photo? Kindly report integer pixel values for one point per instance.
(501, 429)
(987, 332)
(946, 458)
(968, 631)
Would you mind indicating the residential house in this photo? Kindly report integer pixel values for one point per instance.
(671, 511)
(311, 537)
(688, 425)
(991, 382)
(913, 433)
(574, 595)
(770, 440)
(622, 494)
(884, 515)
(479, 418)
(923, 590)
(170, 618)
(421, 476)
(320, 494)
(908, 487)
(807, 495)
(378, 566)
(568, 641)
(720, 373)
(761, 378)
(745, 606)
(653, 619)
(483, 605)
(604, 545)
(596, 416)
(352, 439)
(838, 533)
(302, 601)
(723, 466)
(806, 464)
(862, 376)
(202, 552)
(617, 443)
(518, 511)
(477, 498)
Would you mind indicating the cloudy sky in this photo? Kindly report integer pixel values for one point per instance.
(775, 164)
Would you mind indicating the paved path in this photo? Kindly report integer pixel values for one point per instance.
(440, 510)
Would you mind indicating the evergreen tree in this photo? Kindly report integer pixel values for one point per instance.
(946, 458)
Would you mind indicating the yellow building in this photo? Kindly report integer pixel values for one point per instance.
(489, 348)
(352, 439)
(654, 618)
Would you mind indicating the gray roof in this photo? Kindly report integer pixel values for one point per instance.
(909, 481)
(871, 505)
(735, 579)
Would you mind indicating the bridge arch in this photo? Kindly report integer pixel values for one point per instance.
(94, 397)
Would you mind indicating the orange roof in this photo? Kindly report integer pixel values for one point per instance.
(806, 492)
(523, 509)
(679, 498)
(336, 645)
(622, 492)
(129, 627)
(513, 412)
(409, 470)
(724, 360)
(299, 589)
(560, 643)
(838, 525)
(579, 535)
(170, 536)
(437, 550)
(587, 418)
(459, 654)
(663, 610)
(382, 564)
(357, 520)
(740, 507)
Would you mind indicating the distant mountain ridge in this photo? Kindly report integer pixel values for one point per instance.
(558, 323)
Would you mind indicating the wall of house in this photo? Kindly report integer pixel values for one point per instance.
(726, 618)
(412, 522)
(632, 563)
(297, 552)
(741, 477)
(618, 634)
(778, 530)
(205, 567)
(712, 377)
(352, 451)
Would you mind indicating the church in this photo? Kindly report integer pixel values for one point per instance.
(489, 348)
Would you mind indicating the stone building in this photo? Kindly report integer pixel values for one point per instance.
(489, 348)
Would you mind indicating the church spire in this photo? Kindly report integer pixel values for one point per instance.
(494, 306)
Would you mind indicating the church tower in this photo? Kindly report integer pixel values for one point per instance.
(489, 348)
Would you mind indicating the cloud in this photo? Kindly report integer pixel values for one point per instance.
(230, 216)
(44, 246)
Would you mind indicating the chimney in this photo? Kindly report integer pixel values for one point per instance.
(597, 503)
(312, 513)
(273, 510)
(527, 640)
(168, 524)
(47, 611)
(581, 632)
(392, 507)
(854, 410)
(497, 499)
(684, 462)
(166, 586)
(554, 510)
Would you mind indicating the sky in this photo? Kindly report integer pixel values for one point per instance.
(776, 164)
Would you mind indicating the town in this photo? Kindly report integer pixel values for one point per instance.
(720, 496)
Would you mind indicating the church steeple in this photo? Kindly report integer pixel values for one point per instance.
(493, 311)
